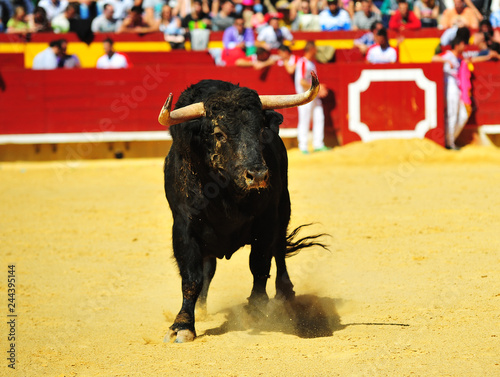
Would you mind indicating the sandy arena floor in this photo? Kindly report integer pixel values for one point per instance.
(410, 287)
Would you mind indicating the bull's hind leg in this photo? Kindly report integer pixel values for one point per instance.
(209, 265)
(284, 286)
(190, 262)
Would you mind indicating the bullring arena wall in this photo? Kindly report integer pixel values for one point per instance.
(89, 113)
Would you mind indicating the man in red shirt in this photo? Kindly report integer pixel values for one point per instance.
(403, 18)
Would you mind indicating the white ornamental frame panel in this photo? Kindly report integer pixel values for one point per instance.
(377, 75)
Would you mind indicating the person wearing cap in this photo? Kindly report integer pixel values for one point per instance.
(334, 18)
(272, 36)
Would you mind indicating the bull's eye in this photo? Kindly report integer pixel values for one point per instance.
(219, 135)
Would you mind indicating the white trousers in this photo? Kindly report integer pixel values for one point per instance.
(312, 110)
(456, 113)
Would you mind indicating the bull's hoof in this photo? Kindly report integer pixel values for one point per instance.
(285, 295)
(258, 300)
(179, 336)
(256, 313)
(256, 307)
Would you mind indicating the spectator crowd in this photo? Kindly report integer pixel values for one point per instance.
(254, 30)
(180, 18)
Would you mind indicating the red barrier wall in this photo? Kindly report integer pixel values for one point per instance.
(174, 57)
(91, 100)
(485, 94)
(389, 101)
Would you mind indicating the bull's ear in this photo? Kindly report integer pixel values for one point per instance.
(186, 129)
(273, 120)
(186, 136)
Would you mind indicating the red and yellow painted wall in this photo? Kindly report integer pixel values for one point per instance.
(365, 101)
(416, 47)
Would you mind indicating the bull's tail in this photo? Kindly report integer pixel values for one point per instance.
(293, 246)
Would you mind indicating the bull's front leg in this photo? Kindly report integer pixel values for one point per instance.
(260, 266)
(190, 263)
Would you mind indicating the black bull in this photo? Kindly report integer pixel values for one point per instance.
(227, 186)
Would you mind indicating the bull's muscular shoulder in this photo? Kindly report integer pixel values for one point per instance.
(182, 186)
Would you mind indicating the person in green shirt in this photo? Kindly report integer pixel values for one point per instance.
(18, 23)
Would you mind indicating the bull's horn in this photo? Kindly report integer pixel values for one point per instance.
(168, 118)
(291, 100)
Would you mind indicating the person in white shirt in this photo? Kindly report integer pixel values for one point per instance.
(111, 59)
(106, 22)
(47, 59)
(53, 7)
(121, 7)
(312, 110)
(333, 17)
(61, 22)
(273, 36)
(457, 112)
(381, 52)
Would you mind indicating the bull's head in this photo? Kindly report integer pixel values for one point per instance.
(168, 118)
(234, 128)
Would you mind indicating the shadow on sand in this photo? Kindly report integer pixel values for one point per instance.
(307, 316)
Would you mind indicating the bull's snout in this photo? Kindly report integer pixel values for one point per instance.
(257, 177)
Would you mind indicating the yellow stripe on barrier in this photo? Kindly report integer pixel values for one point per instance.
(12, 48)
(411, 50)
(142, 46)
(417, 50)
